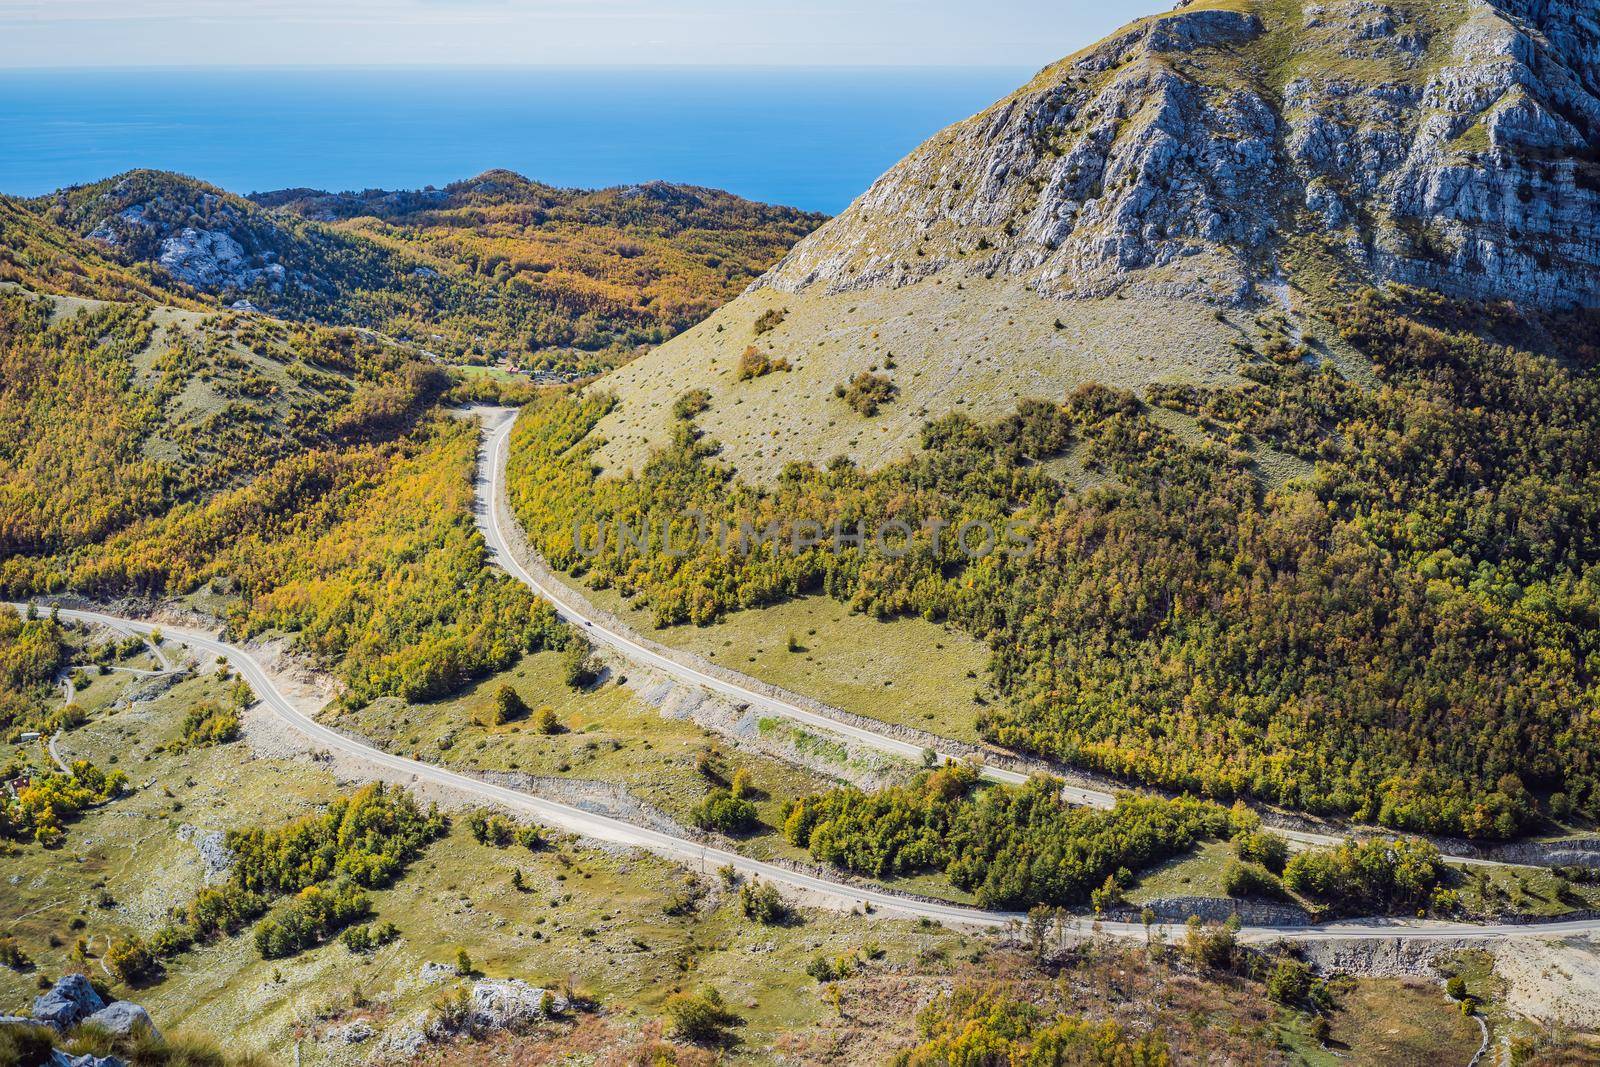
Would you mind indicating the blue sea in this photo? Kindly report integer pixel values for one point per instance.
(812, 138)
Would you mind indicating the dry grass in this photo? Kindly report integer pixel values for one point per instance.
(977, 348)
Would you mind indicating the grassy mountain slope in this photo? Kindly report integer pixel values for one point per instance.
(1230, 155)
(491, 268)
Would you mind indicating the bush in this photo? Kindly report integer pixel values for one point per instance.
(1249, 880)
(691, 403)
(824, 969)
(131, 961)
(171, 940)
(507, 706)
(362, 939)
(209, 723)
(1211, 946)
(763, 903)
(545, 721)
(769, 320)
(1263, 847)
(309, 918)
(216, 910)
(579, 668)
(725, 813)
(11, 955)
(754, 363)
(1290, 982)
(1384, 875)
(366, 838)
(702, 1018)
(867, 392)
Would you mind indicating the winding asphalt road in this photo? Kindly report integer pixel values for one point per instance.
(604, 828)
(703, 856)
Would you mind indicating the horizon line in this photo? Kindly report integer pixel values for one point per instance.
(518, 67)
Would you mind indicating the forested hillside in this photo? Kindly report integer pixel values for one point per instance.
(111, 412)
(596, 270)
(494, 268)
(300, 478)
(1408, 635)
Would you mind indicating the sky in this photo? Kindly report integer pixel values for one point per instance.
(267, 33)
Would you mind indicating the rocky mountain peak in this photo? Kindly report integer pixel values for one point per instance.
(1448, 143)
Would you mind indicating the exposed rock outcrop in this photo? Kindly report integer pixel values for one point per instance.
(506, 1004)
(121, 1018)
(1457, 149)
(196, 241)
(70, 1001)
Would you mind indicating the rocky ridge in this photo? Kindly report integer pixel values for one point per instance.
(1452, 144)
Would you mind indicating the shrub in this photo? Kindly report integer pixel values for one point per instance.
(769, 320)
(983, 1025)
(170, 941)
(11, 955)
(824, 969)
(216, 910)
(131, 961)
(1249, 880)
(702, 1018)
(691, 403)
(546, 722)
(1211, 946)
(309, 918)
(754, 363)
(1290, 982)
(763, 903)
(209, 723)
(866, 392)
(488, 828)
(1263, 847)
(579, 668)
(1381, 875)
(725, 813)
(507, 706)
(362, 939)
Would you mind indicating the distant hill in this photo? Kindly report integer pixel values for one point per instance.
(496, 267)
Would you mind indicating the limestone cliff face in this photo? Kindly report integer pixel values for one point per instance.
(1453, 144)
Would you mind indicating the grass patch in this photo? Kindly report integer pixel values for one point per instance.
(1401, 1023)
(594, 917)
(607, 735)
(1197, 873)
(905, 671)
